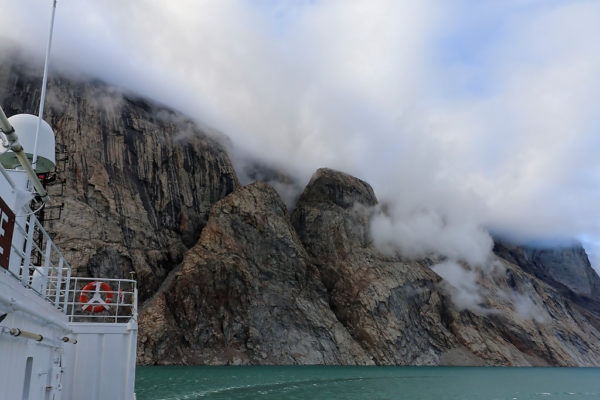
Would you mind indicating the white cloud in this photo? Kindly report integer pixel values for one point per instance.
(461, 117)
(461, 283)
(424, 232)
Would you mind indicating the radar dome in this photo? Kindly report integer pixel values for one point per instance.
(25, 126)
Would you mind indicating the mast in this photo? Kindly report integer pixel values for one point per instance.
(44, 83)
(11, 135)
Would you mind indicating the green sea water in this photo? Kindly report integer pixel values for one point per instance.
(367, 383)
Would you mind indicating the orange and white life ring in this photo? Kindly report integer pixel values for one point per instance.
(98, 289)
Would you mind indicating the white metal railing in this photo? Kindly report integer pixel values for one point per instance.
(102, 300)
(39, 265)
(37, 262)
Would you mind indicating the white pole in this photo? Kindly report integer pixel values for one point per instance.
(28, 246)
(7, 176)
(44, 82)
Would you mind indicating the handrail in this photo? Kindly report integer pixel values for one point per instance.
(50, 279)
(121, 307)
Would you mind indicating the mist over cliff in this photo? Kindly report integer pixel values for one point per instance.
(465, 118)
(232, 271)
(461, 174)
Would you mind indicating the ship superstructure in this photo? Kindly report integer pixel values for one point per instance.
(61, 336)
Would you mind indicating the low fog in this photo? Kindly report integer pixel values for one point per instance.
(465, 117)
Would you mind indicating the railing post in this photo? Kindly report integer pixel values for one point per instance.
(28, 245)
(67, 284)
(118, 301)
(58, 284)
(74, 291)
(135, 303)
(16, 261)
(46, 269)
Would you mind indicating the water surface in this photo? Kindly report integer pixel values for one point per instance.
(367, 383)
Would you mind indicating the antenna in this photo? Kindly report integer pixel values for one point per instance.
(44, 82)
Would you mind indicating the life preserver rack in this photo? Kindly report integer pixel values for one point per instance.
(98, 288)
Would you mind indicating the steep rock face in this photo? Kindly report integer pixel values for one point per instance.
(140, 182)
(246, 293)
(402, 313)
(390, 307)
(560, 267)
(524, 321)
(140, 178)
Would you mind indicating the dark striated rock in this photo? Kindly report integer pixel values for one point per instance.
(140, 178)
(525, 322)
(390, 307)
(400, 312)
(246, 293)
(109, 263)
(565, 266)
(228, 279)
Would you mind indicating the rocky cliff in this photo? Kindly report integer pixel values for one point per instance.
(227, 276)
(257, 289)
(375, 297)
(566, 267)
(136, 193)
(247, 293)
(402, 313)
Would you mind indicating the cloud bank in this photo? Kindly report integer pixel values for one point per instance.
(464, 117)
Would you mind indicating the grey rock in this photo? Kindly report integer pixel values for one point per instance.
(140, 177)
(560, 266)
(402, 313)
(391, 307)
(229, 278)
(110, 264)
(246, 293)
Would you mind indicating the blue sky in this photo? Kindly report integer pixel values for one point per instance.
(482, 113)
